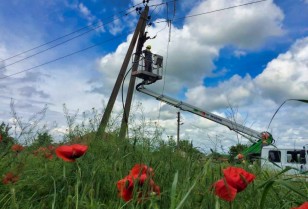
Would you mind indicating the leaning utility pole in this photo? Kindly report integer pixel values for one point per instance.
(115, 91)
(179, 123)
(178, 131)
(131, 87)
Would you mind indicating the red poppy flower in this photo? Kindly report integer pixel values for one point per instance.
(71, 152)
(10, 178)
(0, 138)
(238, 178)
(224, 190)
(140, 169)
(303, 206)
(126, 187)
(139, 179)
(17, 148)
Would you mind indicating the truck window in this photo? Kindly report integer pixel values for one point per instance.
(274, 156)
(302, 157)
(296, 156)
(293, 156)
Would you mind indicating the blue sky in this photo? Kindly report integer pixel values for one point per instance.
(251, 57)
(256, 59)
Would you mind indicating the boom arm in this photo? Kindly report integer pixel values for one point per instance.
(243, 130)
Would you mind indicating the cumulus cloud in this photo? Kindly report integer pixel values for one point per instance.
(111, 63)
(286, 76)
(283, 78)
(194, 46)
(246, 27)
(229, 92)
(188, 64)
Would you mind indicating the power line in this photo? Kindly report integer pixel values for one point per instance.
(63, 42)
(68, 55)
(160, 104)
(217, 10)
(167, 54)
(166, 2)
(78, 30)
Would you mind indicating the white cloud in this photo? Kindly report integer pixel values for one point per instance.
(194, 46)
(92, 19)
(116, 27)
(239, 53)
(286, 77)
(152, 2)
(185, 67)
(247, 26)
(85, 11)
(2, 51)
(228, 92)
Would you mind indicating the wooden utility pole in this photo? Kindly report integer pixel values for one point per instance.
(129, 96)
(115, 91)
(178, 131)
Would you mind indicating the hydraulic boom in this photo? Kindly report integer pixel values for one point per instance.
(258, 139)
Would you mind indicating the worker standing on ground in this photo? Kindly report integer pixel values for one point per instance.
(148, 59)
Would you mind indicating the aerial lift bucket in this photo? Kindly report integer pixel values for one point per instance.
(155, 74)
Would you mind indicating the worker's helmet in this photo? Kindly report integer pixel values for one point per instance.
(148, 47)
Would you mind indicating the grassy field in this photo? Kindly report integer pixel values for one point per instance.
(184, 176)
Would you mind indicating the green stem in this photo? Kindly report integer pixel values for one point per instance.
(14, 203)
(64, 172)
(77, 185)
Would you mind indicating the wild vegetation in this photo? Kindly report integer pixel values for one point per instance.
(142, 171)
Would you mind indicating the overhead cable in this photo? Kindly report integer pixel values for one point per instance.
(63, 42)
(71, 33)
(65, 56)
(217, 10)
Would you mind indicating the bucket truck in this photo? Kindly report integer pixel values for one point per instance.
(262, 142)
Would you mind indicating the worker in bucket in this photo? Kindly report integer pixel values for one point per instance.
(148, 59)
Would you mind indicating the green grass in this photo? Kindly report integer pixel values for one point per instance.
(185, 179)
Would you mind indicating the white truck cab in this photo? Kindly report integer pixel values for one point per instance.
(285, 157)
